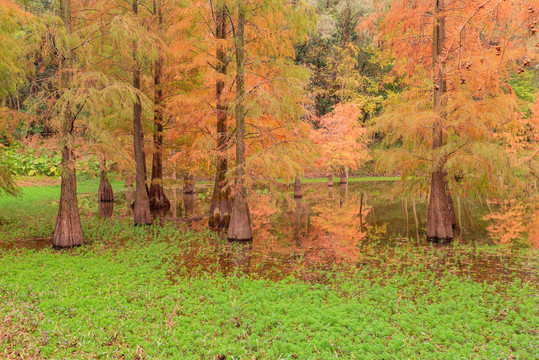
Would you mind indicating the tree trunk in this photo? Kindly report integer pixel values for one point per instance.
(416, 219)
(298, 221)
(141, 211)
(158, 199)
(68, 229)
(188, 184)
(105, 193)
(240, 219)
(344, 176)
(220, 205)
(106, 209)
(298, 191)
(439, 225)
(361, 213)
(343, 191)
(189, 203)
(346, 27)
(440, 213)
(405, 208)
(330, 180)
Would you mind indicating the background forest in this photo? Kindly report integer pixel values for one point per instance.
(331, 150)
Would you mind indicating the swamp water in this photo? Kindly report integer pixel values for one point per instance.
(356, 225)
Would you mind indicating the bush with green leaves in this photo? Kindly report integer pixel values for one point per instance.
(31, 162)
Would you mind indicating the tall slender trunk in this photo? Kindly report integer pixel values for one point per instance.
(416, 219)
(298, 221)
(141, 210)
(440, 210)
(68, 229)
(220, 205)
(330, 180)
(240, 219)
(158, 199)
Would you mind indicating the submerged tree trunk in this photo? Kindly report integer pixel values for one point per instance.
(298, 190)
(105, 193)
(220, 205)
(141, 211)
(158, 199)
(68, 229)
(344, 176)
(240, 219)
(189, 203)
(188, 184)
(440, 213)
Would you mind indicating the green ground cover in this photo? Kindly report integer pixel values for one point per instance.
(140, 300)
(163, 293)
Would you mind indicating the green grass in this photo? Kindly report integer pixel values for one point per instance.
(169, 293)
(32, 214)
(352, 179)
(140, 299)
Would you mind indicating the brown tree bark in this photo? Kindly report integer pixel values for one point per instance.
(106, 209)
(330, 180)
(240, 219)
(298, 189)
(141, 211)
(343, 191)
(220, 205)
(68, 228)
(347, 18)
(344, 176)
(189, 184)
(298, 221)
(189, 203)
(440, 211)
(105, 193)
(158, 199)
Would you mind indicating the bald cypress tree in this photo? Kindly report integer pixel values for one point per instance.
(68, 229)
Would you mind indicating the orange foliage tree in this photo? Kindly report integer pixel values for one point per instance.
(457, 119)
(276, 140)
(341, 139)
